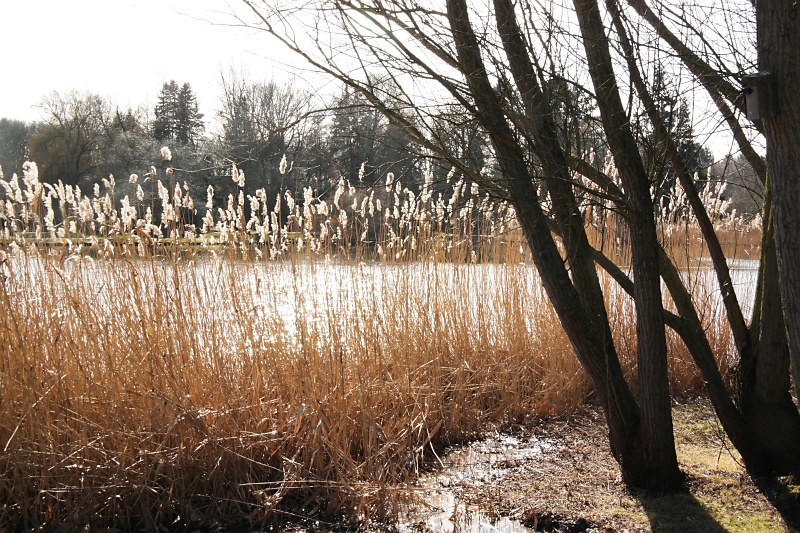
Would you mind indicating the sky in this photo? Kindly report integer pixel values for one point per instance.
(125, 50)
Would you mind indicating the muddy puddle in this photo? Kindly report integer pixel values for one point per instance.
(445, 501)
(443, 504)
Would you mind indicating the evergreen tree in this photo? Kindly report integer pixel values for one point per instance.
(189, 120)
(353, 136)
(166, 112)
(177, 115)
(675, 115)
(238, 126)
(361, 135)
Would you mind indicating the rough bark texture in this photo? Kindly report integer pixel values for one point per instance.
(779, 53)
(581, 328)
(689, 327)
(764, 374)
(661, 463)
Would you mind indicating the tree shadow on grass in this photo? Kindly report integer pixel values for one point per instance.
(784, 494)
(677, 513)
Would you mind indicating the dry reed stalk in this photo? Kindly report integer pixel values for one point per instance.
(258, 370)
(140, 391)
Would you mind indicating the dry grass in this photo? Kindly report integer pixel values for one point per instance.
(154, 376)
(137, 392)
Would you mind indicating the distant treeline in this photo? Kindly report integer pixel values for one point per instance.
(83, 138)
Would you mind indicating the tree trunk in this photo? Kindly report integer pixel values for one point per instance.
(755, 457)
(764, 382)
(779, 54)
(657, 437)
(602, 366)
(548, 149)
(768, 416)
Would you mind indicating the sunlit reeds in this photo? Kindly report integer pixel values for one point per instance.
(298, 355)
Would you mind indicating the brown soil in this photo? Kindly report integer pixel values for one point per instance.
(572, 483)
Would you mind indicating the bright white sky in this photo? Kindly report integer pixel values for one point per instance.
(124, 50)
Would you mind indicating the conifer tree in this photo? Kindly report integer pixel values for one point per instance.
(178, 117)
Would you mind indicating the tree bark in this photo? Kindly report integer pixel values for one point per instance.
(548, 149)
(657, 435)
(764, 383)
(779, 54)
(733, 310)
(691, 331)
(602, 366)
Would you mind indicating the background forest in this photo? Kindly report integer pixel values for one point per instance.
(82, 138)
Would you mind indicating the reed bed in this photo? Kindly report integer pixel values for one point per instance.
(156, 376)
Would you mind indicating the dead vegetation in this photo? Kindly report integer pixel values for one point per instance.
(152, 378)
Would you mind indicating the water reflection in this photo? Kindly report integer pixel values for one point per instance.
(484, 463)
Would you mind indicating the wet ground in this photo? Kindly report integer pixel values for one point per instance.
(482, 487)
(445, 496)
(557, 475)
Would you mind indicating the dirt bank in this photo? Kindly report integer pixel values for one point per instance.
(558, 475)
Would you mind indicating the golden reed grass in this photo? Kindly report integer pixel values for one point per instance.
(188, 384)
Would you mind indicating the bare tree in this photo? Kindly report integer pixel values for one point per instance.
(763, 374)
(502, 65)
(67, 142)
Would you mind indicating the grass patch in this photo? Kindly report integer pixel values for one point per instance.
(576, 479)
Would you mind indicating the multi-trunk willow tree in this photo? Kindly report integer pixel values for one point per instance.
(502, 63)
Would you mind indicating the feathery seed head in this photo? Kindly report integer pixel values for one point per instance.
(289, 200)
(30, 172)
(210, 197)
